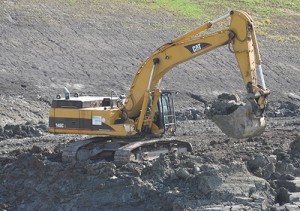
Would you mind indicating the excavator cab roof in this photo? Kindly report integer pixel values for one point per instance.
(83, 102)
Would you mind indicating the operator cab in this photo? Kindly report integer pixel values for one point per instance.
(164, 116)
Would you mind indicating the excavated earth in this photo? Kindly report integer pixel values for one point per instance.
(94, 49)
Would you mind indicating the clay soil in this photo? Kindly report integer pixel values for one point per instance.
(48, 45)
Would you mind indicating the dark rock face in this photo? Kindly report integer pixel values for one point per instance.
(22, 131)
(283, 109)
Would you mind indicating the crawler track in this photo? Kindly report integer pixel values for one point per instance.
(122, 151)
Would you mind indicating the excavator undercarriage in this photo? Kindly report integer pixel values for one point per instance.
(121, 150)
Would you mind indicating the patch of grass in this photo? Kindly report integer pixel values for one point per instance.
(287, 38)
(207, 8)
(182, 7)
(185, 8)
(295, 38)
(262, 23)
(269, 16)
(265, 13)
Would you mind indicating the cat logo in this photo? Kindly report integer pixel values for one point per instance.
(194, 48)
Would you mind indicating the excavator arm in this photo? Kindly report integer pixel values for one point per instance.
(240, 34)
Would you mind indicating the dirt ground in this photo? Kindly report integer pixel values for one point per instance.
(46, 45)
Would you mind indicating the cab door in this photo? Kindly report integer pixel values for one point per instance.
(165, 116)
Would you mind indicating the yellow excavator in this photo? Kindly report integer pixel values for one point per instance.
(129, 128)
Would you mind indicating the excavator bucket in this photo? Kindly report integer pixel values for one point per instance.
(235, 118)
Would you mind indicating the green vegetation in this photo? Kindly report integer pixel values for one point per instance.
(207, 8)
(269, 16)
(286, 38)
(185, 8)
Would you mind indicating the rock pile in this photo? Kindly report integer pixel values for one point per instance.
(33, 181)
(22, 130)
(281, 170)
(283, 109)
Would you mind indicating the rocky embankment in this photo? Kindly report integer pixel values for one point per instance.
(37, 179)
(221, 174)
